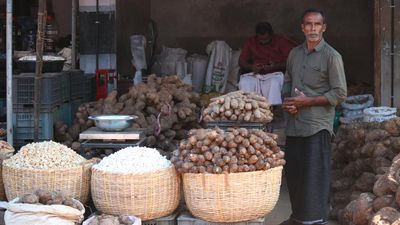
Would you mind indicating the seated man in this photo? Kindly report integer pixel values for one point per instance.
(264, 58)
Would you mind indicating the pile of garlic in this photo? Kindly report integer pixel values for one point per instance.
(133, 160)
(44, 155)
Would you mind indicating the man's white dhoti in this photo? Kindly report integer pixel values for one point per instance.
(268, 85)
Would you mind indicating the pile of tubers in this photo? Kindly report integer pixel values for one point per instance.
(111, 220)
(382, 206)
(364, 155)
(43, 197)
(231, 151)
(167, 108)
(238, 106)
(6, 150)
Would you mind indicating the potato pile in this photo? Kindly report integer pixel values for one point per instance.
(167, 108)
(232, 151)
(43, 197)
(6, 150)
(363, 153)
(3, 132)
(238, 106)
(111, 220)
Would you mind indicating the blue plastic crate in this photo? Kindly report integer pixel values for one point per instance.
(65, 86)
(65, 113)
(23, 91)
(24, 126)
(89, 88)
(77, 84)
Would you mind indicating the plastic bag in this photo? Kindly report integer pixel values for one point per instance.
(358, 102)
(379, 114)
(353, 106)
(165, 63)
(181, 69)
(218, 66)
(197, 66)
(137, 220)
(188, 79)
(138, 79)
(138, 44)
(233, 77)
(19, 213)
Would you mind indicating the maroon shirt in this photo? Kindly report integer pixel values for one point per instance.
(276, 51)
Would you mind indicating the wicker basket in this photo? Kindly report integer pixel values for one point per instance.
(74, 182)
(2, 191)
(232, 197)
(147, 195)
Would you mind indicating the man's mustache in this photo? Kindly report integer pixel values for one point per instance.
(313, 35)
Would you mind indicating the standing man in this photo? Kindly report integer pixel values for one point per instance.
(263, 57)
(316, 83)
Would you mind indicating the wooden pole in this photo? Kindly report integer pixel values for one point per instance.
(39, 64)
(10, 139)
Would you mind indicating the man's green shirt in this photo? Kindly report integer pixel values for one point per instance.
(317, 72)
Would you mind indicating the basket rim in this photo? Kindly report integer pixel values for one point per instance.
(240, 173)
(172, 166)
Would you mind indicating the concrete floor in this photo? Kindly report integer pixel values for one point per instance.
(282, 209)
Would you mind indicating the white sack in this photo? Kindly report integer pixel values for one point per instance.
(218, 66)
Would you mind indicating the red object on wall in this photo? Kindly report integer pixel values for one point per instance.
(103, 76)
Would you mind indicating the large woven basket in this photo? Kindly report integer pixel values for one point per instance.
(146, 195)
(232, 197)
(73, 182)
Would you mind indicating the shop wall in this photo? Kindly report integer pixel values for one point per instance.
(192, 24)
(132, 18)
(63, 13)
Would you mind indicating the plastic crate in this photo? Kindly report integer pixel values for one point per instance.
(65, 113)
(77, 80)
(88, 93)
(65, 87)
(24, 126)
(187, 219)
(23, 91)
(236, 124)
(166, 220)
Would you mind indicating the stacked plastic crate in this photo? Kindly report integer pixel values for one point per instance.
(81, 90)
(51, 98)
(65, 106)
